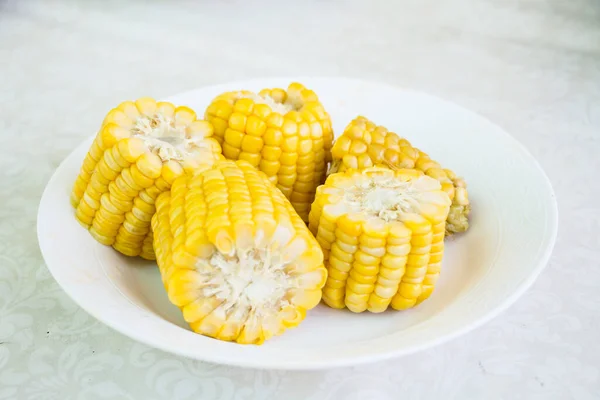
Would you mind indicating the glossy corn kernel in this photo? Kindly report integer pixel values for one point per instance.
(382, 234)
(234, 256)
(364, 144)
(141, 148)
(284, 133)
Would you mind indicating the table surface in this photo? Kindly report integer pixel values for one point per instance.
(533, 67)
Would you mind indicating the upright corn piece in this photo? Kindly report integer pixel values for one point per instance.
(364, 144)
(284, 133)
(140, 149)
(382, 234)
(234, 256)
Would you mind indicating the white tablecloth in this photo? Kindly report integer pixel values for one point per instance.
(533, 67)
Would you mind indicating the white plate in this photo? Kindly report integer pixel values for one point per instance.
(513, 229)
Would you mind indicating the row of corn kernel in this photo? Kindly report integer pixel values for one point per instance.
(410, 287)
(435, 260)
(305, 182)
(161, 228)
(396, 247)
(85, 174)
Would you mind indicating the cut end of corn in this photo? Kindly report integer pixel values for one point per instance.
(382, 234)
(140, 149)
(234, 255)
(364, 144)
(286, 134)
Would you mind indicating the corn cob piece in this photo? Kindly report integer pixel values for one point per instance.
(140, 149)
(234, 256)
(364, 144)
(382, 235)
(285, 134)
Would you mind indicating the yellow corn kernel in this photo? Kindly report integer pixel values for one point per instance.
(377, 228)
(363, 144)
(237, 276)
(140, 149)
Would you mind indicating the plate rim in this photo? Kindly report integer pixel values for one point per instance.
(493, 312)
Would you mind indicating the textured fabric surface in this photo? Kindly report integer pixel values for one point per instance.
(531, 66)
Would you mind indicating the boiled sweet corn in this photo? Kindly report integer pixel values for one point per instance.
(234, 255)
(382, 235)
(364, 144)
(285, 134)
(140, 149)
